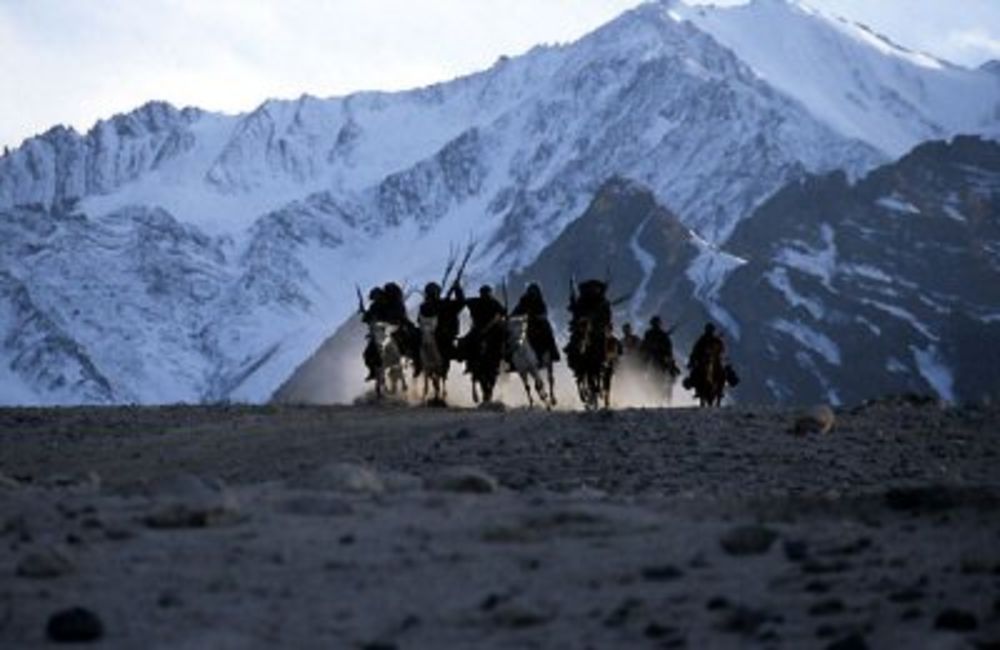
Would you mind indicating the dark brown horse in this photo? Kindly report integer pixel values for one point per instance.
(483, 353)
(709, 378)
(591, 354)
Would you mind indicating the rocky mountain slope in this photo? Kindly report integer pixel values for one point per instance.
(889, 285)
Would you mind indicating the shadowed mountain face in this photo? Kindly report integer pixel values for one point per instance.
(889, 285)
(626, 237)
(839, 292)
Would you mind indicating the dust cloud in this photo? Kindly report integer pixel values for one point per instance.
(335, 375)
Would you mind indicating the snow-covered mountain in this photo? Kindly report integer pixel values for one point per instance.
(854, 79)
(181, 255)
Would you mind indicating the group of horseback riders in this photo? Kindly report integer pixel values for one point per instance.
(523, 339)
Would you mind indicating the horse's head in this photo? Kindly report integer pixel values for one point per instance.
(517, 329)
(382, 333)
(428, 326)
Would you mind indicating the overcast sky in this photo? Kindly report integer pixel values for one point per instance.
(75, 61)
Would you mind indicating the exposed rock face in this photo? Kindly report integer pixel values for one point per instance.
(886, 286)
(627, 237)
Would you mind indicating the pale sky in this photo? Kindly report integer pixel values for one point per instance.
(75, 61)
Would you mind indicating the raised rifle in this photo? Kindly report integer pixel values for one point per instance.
(361, 300)
(452, 259)
(618, 301)
(461, 269)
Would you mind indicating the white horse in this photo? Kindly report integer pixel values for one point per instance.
(389, 374)
(524, 360)
(433, 363)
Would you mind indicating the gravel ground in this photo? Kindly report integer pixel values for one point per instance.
(394, 527)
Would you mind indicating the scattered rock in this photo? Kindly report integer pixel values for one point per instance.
(48, 562)
(316, 506)
(956, 620)
(852, 642)
(74, 625)
(748, 540)
(717, 602)
(973, 562)
(190, 502)
(819, 567)
(827, 607)
(819, 419)
(909, 595)
(657, 631)
(342, 477)
(796, 550)
(401, 482)
(463, 479)
(8, 482)
(81, 480)
(622, 613)
(519, 616)
(168, 599)
(745, 620)
(661, 573)
(939, 498)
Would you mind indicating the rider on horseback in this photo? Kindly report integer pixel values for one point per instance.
(658, 350)
(388, 306)
(540, 335)
(485, 312)
(446, 310)
(590, 306)
(708, 370)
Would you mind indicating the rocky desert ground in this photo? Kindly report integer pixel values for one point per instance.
(415, 527)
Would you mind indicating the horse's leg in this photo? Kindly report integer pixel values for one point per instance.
(536, 377)
(475, 394)
(552, 385)
(527, 389)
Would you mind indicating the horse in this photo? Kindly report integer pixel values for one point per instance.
(708, 379)
(542, 343)
(483, 353)
(525, 361)
(389, 372)
(434, 364)
(592, 354)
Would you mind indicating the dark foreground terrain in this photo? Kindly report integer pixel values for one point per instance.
(341, 527)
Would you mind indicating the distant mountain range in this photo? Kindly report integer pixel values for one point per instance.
(181, 255)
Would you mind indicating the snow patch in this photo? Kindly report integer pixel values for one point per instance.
(902, 314)
(778, 278)
(933, 369)
(810, 338)
(708, 272)
(897, 204)
(952, 212)
(866, 271)
(818, 262)
(648, 264)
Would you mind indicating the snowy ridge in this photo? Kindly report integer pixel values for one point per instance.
(855, 80)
